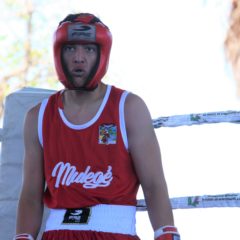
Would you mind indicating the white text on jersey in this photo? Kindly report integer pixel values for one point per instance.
(66, 175)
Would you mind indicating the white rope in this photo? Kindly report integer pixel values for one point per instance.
(197, 119)
(205, 201)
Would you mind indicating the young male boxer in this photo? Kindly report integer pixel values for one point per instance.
(88, 148)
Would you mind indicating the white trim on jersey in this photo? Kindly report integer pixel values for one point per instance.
(122, 119)
(93, 120)
(40, 120)
(103, 218)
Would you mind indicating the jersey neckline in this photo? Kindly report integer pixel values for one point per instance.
(91, 121)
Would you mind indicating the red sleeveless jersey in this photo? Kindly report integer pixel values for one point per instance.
(89, 164)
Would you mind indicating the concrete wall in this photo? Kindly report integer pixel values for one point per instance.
(16, 106)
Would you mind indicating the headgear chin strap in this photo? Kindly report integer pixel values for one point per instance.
(82, 28)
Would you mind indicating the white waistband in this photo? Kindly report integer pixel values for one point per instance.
(103, 218)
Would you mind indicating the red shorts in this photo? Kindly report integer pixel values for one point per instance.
(85, 235)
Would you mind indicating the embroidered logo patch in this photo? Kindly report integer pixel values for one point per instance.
(107, 134)
(77, 216)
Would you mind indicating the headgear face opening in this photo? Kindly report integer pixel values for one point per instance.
(82, 28)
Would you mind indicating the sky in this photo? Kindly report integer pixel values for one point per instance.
(171, 54)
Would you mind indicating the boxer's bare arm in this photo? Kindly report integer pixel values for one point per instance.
(30, 207)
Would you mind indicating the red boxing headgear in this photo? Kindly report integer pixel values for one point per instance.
(83, 28)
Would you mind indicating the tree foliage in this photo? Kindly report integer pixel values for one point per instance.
(26, 58)
(232, 41)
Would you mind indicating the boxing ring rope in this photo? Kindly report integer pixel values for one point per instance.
(205, 201)
(197, 119)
